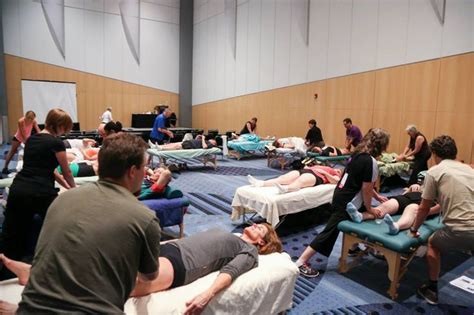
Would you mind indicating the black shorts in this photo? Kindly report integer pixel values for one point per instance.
(187, 145)
(173, 254)
(319, 180)
(85, 170)
(407, 199)
(328, 150)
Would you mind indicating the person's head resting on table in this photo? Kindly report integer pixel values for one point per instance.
(122, 160)
(264, 237)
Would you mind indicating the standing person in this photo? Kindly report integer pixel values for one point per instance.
(106, 116)
(159, 130)
(25, 125)
(314, 137)
(353, 134)
(416, 150)
(250, 127)
(92, 248)
(358, 180)
(451, 183)
(32, 190)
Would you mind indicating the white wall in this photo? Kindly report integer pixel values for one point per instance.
(95, 39)
(345, 37)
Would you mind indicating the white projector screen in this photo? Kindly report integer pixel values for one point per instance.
(42, 96)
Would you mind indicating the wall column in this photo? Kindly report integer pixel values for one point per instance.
(185, 62)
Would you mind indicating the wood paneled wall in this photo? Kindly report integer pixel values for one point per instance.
(94, 93)
(435, 95)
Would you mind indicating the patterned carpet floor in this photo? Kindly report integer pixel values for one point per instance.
(360, 291)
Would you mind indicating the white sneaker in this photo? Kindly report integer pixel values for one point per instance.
(254, 182)
(151, 144)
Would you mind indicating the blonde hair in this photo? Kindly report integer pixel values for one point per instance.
(411, 128)
(58, 118)
(272, 242)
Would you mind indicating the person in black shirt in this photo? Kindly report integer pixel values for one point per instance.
(417, 151)
(32, 190)
(358, 180)
(314, 137)
(250, 127)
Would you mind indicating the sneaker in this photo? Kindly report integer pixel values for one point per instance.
(430, 296)
(356, 252)
(307, 271)
(5, 171)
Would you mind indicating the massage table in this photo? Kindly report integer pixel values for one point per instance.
(329, 160)
(399, 250)
(240, 149)
(270, 204)
(6, 182)
(267, 289)
(205, 155)
(388, 166)
(283, 156)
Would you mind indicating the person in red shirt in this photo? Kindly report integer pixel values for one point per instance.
(295, 180)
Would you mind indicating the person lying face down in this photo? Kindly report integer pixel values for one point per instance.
(185, 260)
(295, 180)
(405, 204)
(199, 143)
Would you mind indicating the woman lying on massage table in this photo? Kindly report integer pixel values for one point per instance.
(330, 151)
(295, 180)
(198, 143)
(188, 259)
(406, 204)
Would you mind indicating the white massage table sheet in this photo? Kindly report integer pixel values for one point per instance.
(267, 289)
(270, 204)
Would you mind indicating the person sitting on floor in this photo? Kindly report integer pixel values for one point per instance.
(295, 180)
(405, 204)
(330, 151)
(185, 260)
(198, 143)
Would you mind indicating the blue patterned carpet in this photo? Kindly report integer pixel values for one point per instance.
(360, 291)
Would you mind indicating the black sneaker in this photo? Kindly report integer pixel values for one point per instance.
(356, 252)
(430, 296)
(308, 272)
(5, 171)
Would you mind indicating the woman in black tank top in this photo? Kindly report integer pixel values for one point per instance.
(417, 151)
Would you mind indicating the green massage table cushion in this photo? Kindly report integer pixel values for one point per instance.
(378, 233)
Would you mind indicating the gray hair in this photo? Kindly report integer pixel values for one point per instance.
(411, 128)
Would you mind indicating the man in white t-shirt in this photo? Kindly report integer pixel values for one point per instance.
(451, 183)
(106, 116)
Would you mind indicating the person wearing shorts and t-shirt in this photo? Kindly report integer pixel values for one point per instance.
(451, 183)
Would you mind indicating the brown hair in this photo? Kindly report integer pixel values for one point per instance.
(444, 147)
(276, 144)
(374, 142)
(30, 113)
(119, 152)
(58, 118)
(272, 242)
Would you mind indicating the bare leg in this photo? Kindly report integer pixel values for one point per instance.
(304, 180)
(434, 261)
(285, 179)
(162, 282)
(307, 254)
(7, 308)
(20, 269)
(389, 207)
(171, 146)
(13, 149)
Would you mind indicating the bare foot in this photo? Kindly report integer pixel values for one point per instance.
(7, 308)
(20, 269)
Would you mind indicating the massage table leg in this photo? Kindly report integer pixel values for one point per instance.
(212, 159)
(397, 262)
(347, 242)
